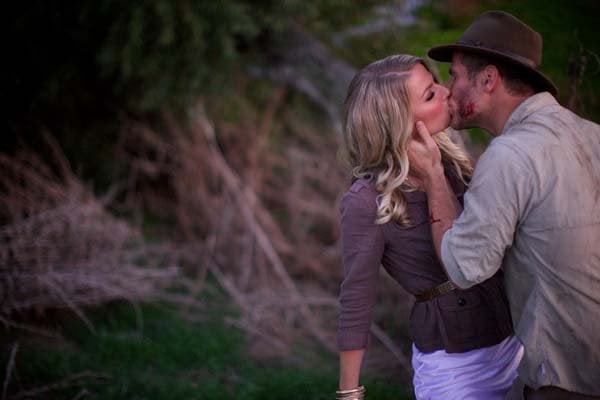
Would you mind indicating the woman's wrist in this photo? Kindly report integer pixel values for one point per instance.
(348, 384)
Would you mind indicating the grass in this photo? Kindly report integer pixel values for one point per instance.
(168, 358)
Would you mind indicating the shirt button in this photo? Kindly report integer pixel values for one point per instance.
(461, 301)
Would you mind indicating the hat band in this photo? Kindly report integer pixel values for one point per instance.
(517, 57)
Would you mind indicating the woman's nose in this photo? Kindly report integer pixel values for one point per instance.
(445, 91)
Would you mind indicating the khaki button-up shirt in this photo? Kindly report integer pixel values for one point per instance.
(533, 208)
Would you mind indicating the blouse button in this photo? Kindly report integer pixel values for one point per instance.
(461, 301)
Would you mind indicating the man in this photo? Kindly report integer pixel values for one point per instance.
(532, 208)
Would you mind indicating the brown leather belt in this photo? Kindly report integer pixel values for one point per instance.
(437, 291)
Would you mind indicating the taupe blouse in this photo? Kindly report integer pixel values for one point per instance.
(458, 321)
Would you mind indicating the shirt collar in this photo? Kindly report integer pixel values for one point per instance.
(527, 107)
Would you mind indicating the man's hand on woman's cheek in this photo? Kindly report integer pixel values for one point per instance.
(423, 153)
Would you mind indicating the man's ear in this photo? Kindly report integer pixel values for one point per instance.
(489, 78)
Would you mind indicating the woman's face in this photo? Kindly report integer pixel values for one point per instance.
(429, 100)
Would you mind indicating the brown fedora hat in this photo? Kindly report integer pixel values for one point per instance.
(502, 36)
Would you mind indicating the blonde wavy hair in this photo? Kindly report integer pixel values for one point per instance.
(378, 124)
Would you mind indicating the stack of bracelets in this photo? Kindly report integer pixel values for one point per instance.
(351, 394)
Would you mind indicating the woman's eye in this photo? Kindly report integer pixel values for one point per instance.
(430, 96)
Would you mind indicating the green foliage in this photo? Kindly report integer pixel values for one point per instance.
(146, 55)
(149, 54)
(76, 69)
(168, 358)
(325, 17)
(570, 32)
(161, 52)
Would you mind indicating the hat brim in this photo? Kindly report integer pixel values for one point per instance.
(540, 81)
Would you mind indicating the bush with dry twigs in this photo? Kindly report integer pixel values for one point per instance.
(258, 220)
(59, 247)
(228, 187)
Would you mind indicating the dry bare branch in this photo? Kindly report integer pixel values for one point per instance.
(69, 381)
(402, 359)
(9, 368)
(60, 247)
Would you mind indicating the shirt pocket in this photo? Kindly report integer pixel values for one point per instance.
(464, 316)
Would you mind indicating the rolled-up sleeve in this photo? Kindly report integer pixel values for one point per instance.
(473, 249)
(362, 251)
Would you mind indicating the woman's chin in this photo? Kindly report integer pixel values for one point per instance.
(441, 129)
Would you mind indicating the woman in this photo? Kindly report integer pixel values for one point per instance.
(463, 347)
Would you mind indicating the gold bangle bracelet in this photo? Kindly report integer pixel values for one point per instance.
(351, 394)
(350, 391)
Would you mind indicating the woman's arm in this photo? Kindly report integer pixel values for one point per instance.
(350, 362)
(363, 245)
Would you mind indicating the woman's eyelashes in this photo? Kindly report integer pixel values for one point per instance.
(430, 95)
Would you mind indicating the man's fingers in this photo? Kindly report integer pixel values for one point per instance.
(424, 134)
(416, 146)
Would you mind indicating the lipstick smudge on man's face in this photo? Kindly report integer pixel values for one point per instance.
(466, 110)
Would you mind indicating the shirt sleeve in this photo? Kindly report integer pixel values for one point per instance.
(473, 249)
(362, 250)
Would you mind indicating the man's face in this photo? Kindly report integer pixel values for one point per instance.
(463, 95)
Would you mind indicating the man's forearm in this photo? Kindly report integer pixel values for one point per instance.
(444, 208)
(426, 163)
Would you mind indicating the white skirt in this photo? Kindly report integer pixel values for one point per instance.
(480, 374)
